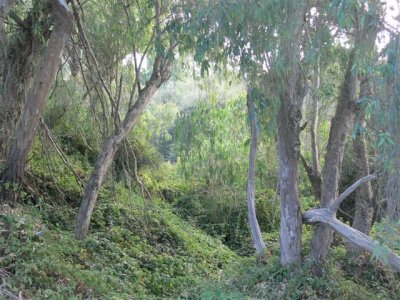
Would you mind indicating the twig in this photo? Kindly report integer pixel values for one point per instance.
(145, 191)
(46, 153)
(78, 179)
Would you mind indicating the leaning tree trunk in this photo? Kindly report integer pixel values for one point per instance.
(251, 205)
(36, 100)
(333, 159)
(161, 72)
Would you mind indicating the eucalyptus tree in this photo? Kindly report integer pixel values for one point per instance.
(272, 40)
(37, 89)
(162, 40)
(265, 40)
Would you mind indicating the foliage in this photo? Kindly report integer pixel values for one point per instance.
(139, 248)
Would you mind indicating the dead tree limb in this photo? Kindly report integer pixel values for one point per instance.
(327, 216)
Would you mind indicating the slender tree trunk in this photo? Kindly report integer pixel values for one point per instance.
(364, 208)
(36, 100)
(316, 168)
(161, 72)
(314, 171)
(333, 159)
(251, 204)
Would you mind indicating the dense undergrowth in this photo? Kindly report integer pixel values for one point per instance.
(164, 248)
(189, 241)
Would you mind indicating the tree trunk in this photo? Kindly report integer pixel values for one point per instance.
(161, 72)
(20, 59)
(333, 159)
(291, 92)
(366, 37)
(288, 151)
(251, 205)
(364, 205)
(36, 100)
(316, 168)
(314, 171)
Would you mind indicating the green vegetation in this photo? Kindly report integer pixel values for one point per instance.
(130, 130)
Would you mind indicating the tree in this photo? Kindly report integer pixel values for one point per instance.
(161, 72)
(44, 75)
(366, 34)
(333, 158)
(251, 205)
(20, 56)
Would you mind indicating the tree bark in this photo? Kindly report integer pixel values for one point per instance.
(161, 72)
(36, 100)
(333, 159)
(251, 205)
(288, 151)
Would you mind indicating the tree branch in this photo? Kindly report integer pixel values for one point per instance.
(325, 216)
(335, 205)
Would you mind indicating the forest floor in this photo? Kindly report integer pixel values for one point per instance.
(146, 249)
(183, 243)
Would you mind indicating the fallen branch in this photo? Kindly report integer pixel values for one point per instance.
(324, 215)
(328, 216)
(335, 205)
